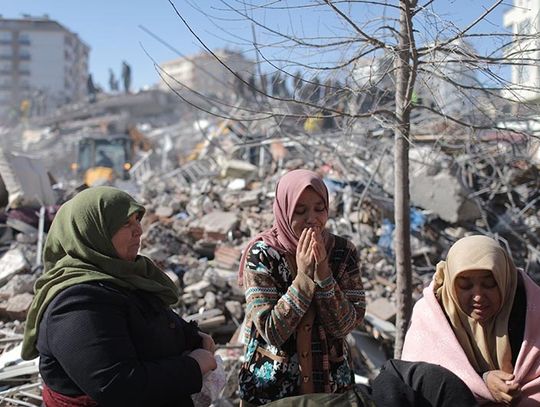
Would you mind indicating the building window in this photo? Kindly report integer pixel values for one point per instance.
(5, 68)
(24, 68)
(5, 83)
(24, 84)
(24, 54)
(24, 38)
(6, 37)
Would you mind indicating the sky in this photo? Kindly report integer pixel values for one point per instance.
(139, 31)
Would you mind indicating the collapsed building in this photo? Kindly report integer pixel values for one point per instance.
(208, 185)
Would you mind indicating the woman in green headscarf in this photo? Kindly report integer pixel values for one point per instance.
(101, 321)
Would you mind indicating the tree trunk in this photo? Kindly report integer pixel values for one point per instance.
(402, 241)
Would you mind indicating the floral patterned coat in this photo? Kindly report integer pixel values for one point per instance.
(277, 300)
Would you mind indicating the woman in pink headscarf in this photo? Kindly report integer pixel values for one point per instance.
(304, 294)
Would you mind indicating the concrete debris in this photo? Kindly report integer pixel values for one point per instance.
(214, 226)
(26, 180)
(17, 284)
(227, 257)
(16, 307)
(208, 186)
(443, 195)
(11, 263)
(198, 289)
(382, 309)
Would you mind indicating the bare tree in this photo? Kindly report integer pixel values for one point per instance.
(373, 60)
(405, 75)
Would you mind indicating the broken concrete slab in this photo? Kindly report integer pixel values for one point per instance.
(26, 180)
(382, 309)
(198, 289)
(164, 211)
(11, 263)
(210, 300)
(227, 257)
(18, 284)
(249, 198)
(433, 186)
(17, 306)
(238, 169)
(214, 225)
(235, 309)
(444, 195)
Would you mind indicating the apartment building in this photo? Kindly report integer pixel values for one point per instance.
(42, 65)
(205, 74)
(436, 84)
(523, 19)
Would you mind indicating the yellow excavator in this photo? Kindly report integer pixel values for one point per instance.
(103, 158)
(105, 155)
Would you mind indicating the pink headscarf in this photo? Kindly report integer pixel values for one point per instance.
(281, 235)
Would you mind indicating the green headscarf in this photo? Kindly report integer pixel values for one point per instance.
(79, 249)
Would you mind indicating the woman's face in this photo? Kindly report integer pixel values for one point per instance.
(478, 294)
(309, 212)
(127, 239)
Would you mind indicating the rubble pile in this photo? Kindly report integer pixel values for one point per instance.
(205, 204)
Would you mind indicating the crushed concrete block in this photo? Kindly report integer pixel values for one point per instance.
(200, 316)
(198, 289)
(196, 232)
(211, 323)
(249, 198)
(433, 187)
(237, 184)
(26, 180)
(382, 309)
(227, 257)
(6, 234)
(164, 211)
(235, 309)
(193, 275)
(11, 263)
(210, 300)
(444, 195)
(17, 307)
(189, 299)
(216, 278)
(18, 284)
(157, 253)
(216, 225)
(205, 248)
(238, 169)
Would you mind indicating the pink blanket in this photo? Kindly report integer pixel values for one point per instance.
(431, 339)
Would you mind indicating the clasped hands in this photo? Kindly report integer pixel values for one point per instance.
(311, 255)
(501, 387)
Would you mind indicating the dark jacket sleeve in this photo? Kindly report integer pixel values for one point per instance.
(89, 335)
(191, 333)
